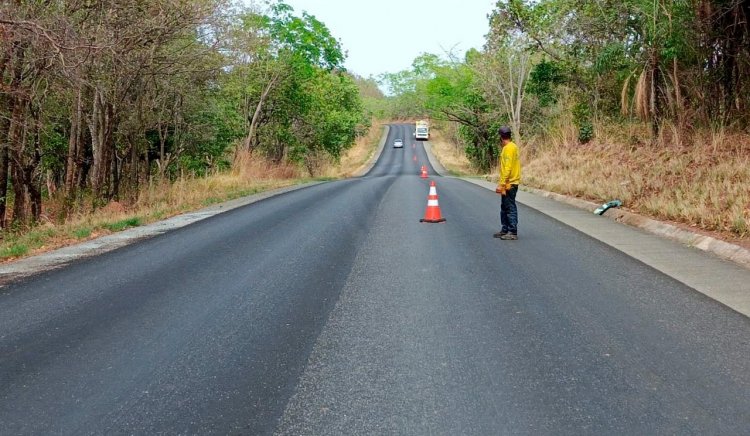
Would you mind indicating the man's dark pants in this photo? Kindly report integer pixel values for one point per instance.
(509, 211)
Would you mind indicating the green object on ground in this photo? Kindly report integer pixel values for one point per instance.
(606, 206)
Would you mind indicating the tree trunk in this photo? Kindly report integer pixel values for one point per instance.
(34, 187)
(4, 161)
(74, 145)
(679, 107)
(492, 160)
(16, 139)
(656, 96)
(163, 132)
(250, 139)
(133, 183)
(4, 130)
(101, 125)
(97, 140)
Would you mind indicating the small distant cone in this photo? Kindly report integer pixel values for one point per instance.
(432, 214)
(415, 158)
(414, 145)
(424, 172)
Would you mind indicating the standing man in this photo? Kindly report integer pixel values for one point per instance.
(510, 177)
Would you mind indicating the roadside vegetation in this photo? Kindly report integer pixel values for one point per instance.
(681, 184)
(451, 154)
(249, 175)
(116, 114)
(644, 101)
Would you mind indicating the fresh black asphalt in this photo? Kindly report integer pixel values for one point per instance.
(332, 310)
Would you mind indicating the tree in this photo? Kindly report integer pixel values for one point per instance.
(99, 97)
(503, 73)
(287, 51)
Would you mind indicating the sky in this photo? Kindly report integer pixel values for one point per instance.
(386, 35)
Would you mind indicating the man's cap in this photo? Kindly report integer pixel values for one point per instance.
(505, 130)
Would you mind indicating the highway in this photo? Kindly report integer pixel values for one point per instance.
(333, 310)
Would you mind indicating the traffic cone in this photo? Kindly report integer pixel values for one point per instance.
(424, 172)
(415, 158)
(432, 214)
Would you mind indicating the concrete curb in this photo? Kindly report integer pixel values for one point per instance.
(717, 247)
(719, 279)
(62, 256)
(436, 164)
(722, 249)
(375, 156)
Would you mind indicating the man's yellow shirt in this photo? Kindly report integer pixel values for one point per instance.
(510, 165)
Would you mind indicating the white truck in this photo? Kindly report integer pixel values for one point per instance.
(422, 130)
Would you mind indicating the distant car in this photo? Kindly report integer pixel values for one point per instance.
(399, 143)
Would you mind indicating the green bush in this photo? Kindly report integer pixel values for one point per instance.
(123, 224)
(82, 233)
(14, 251)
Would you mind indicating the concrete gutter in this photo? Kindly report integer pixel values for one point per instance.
(367, 167)
(60, 257)
(436, 164)
(717, 247)
(715, 268)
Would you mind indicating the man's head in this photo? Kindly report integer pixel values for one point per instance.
(505, 133)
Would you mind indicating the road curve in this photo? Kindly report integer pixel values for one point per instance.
(332, 310)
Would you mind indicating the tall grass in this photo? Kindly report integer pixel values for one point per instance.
(158, 200)
(700, 178)
(451, 156)
(250, 174)
(355, 158)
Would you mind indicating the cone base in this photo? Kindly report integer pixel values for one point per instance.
(425, 220)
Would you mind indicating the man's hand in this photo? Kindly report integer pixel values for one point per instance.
(507, 187)
(501, 189)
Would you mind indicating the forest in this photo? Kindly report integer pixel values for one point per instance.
(99, 99)
(675, 65)
(646, 101)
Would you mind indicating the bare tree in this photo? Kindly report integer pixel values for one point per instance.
(503, 74)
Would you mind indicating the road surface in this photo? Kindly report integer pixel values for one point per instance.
(332, 310)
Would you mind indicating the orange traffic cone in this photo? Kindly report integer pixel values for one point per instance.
(415, 158)
(432, 214)
(424, 172)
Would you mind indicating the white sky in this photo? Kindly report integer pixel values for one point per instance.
(386, 35)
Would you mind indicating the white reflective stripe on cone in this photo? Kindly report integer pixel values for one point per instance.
(432, 203)
(433, 191)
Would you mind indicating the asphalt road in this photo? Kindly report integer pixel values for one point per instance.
(332, 310)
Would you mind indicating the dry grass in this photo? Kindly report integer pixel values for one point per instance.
(451, 155)
(250, 174)
(699, 180)
(356, 157)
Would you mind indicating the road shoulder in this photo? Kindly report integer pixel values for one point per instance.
(62, 256)
(370, 164)
(715, 268)
(722, 280)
